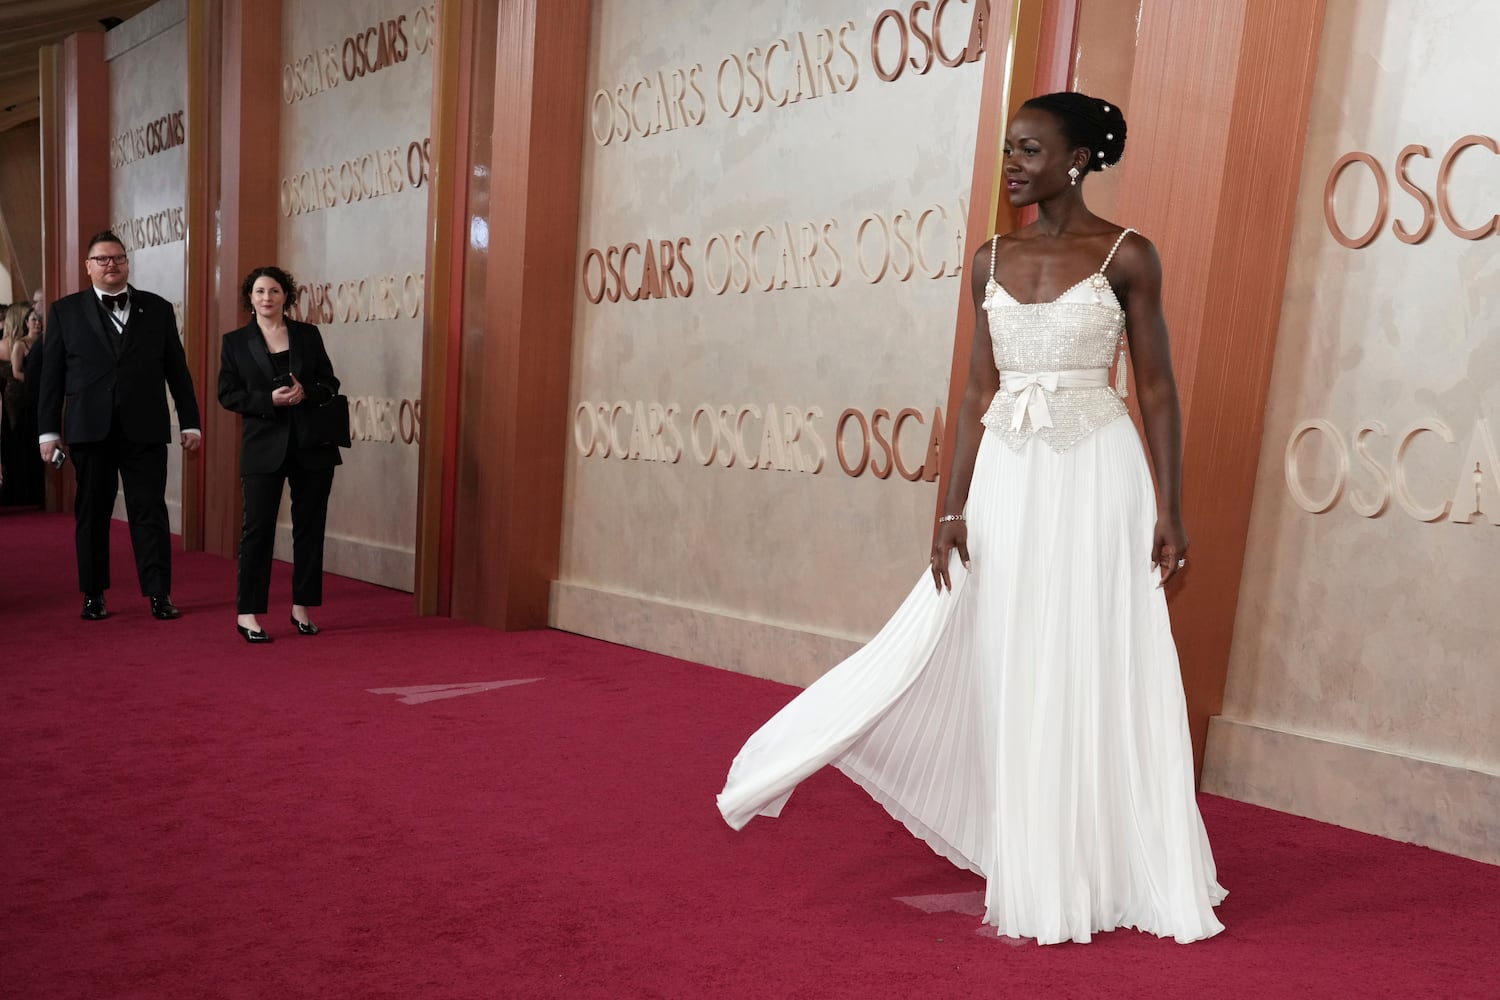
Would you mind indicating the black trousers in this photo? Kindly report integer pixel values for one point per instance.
(262, 492)
(101, 466)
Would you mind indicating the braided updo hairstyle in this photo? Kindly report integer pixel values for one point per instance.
(1087, 121)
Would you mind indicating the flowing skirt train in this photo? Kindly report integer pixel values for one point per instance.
(1030, 724)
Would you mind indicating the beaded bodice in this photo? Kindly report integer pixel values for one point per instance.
(1078, 331)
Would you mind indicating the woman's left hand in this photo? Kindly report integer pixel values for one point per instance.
(297, 394)
(1169, 549)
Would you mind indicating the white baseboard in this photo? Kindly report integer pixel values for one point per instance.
(772, 650)
(1445, 806)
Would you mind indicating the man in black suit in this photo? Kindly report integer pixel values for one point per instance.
(109, 350)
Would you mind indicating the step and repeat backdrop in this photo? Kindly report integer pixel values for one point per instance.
(1364, 683)
(771, 254)
(147, 58)
(356, 93)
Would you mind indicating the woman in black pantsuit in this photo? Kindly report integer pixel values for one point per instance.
(268, 371)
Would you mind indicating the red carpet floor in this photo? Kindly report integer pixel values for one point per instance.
(186, 816)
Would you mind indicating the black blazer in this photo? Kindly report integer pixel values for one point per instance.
(245, 376)
(94, 372)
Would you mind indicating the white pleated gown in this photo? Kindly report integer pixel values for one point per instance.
(1029, 724)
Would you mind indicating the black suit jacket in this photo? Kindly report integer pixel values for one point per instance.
(85, 375)
(245, 375)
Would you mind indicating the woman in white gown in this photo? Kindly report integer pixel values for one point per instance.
(1022, 711)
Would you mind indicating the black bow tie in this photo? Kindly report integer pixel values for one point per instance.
(116, 301)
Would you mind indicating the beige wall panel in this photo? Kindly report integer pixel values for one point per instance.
(821, 554)
(356, 111)
(1370, 624)
(147, 58)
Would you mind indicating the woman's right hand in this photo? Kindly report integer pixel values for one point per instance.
(949, 535)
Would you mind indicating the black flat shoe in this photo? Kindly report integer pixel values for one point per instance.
(304, 628)
(252, 634)
(162, 609)
(93, 608)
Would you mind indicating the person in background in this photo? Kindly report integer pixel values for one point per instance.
(22, 476)
(5, 375)
(32, 392)
(112, 351)
(270, 371)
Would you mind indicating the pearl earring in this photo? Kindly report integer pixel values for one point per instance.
(1073, 173)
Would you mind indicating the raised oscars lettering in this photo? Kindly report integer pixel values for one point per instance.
(377, 46)
(671, 98)
(1438, 205)
(777, 437)
(651, 269)
(1318, 482)
(385, 421)
(878, 442)
(141, 141)
(773, 258)
(360, 300)
(788, 70)
(797, 66)
(788, 254)
(154, 230)
(359, 178)
(924, 34)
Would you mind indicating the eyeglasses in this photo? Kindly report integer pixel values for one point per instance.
(103, 259)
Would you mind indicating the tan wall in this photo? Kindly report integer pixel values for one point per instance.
(356, 110)
(1362, 686)
(20, 210)
(147, 58)
(749, 545)
(1103, 62)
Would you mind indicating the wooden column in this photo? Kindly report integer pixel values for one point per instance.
(84, 173)
(75, 178)
(197, 339)
(243, 124)
(1218, 114)
(49, 111)
(462, 40)
(516, 357)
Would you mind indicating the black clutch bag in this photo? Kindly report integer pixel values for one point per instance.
(324, 426)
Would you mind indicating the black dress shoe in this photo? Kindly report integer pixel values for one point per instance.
(253, 634)
(93, 608)
(304, 628)
(163, 609)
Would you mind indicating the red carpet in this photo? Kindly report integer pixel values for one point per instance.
(186, 816)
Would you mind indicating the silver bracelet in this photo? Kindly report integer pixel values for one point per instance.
(950, 517)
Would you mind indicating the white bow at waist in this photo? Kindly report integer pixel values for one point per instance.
(1031, 390)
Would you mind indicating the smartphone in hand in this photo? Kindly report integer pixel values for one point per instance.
(58, 458)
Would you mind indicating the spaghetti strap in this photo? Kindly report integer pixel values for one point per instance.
(1123, 233)
(1122, 367)
(993, 240)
